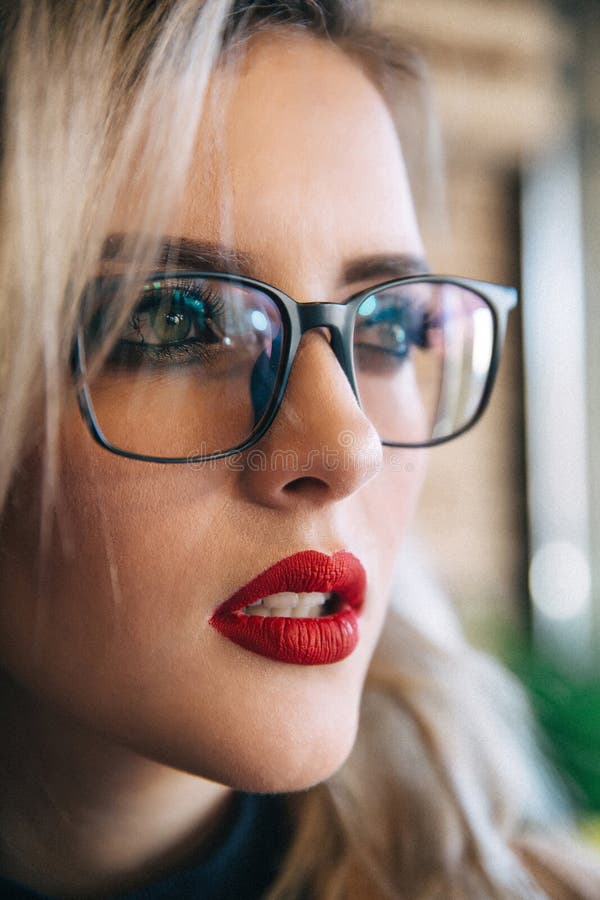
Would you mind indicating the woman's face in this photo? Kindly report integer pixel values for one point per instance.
(302, 173)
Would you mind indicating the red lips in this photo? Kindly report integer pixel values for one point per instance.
(308, 642)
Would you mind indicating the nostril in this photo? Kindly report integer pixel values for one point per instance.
(306, 483)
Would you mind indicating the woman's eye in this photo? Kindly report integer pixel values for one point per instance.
(390, 336)
(393, 331)
(161, 326)
(171, 317)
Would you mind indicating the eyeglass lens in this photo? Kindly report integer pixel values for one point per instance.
(199, 361)
(422, 355)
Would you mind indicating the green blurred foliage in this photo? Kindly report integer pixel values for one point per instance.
(568, 710)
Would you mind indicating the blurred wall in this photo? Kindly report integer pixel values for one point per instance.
(589, 87)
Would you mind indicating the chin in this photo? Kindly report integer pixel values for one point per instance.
(291, 769)
(267, 748)
(292, 741)
(297, 771)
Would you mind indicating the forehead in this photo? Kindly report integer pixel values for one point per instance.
(298, 163)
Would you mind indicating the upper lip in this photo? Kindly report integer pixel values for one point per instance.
(306, 571)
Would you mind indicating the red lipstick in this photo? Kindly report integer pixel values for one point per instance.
(302, 641)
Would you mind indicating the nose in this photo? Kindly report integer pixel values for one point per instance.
(321, 447)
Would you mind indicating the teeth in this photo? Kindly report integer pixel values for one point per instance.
(256, 611)
(309, 612)
(280, 601)
(304, 605)
(313, 598)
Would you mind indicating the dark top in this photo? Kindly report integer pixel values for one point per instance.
(241, 867)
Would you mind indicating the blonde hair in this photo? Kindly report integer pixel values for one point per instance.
(444, 795)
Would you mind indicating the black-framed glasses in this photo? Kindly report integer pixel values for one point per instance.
(200, 368)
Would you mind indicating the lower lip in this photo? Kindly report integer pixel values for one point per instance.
(306, 642)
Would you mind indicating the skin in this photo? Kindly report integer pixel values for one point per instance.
(128, 717)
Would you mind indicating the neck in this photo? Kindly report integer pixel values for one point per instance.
(81, 816)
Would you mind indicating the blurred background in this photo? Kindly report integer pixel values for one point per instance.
(511, 513)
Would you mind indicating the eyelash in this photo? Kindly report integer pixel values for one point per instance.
(189, 350)
(414, 336)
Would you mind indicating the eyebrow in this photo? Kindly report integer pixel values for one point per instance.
(384, 266)
(183, 253)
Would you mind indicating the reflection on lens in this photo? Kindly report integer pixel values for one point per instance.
(193, 371)
(422, 354)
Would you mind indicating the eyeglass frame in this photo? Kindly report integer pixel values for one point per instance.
(298, 318)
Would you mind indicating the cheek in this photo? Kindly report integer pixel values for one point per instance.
(132, 552)
(392, 497)
(383, 511)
